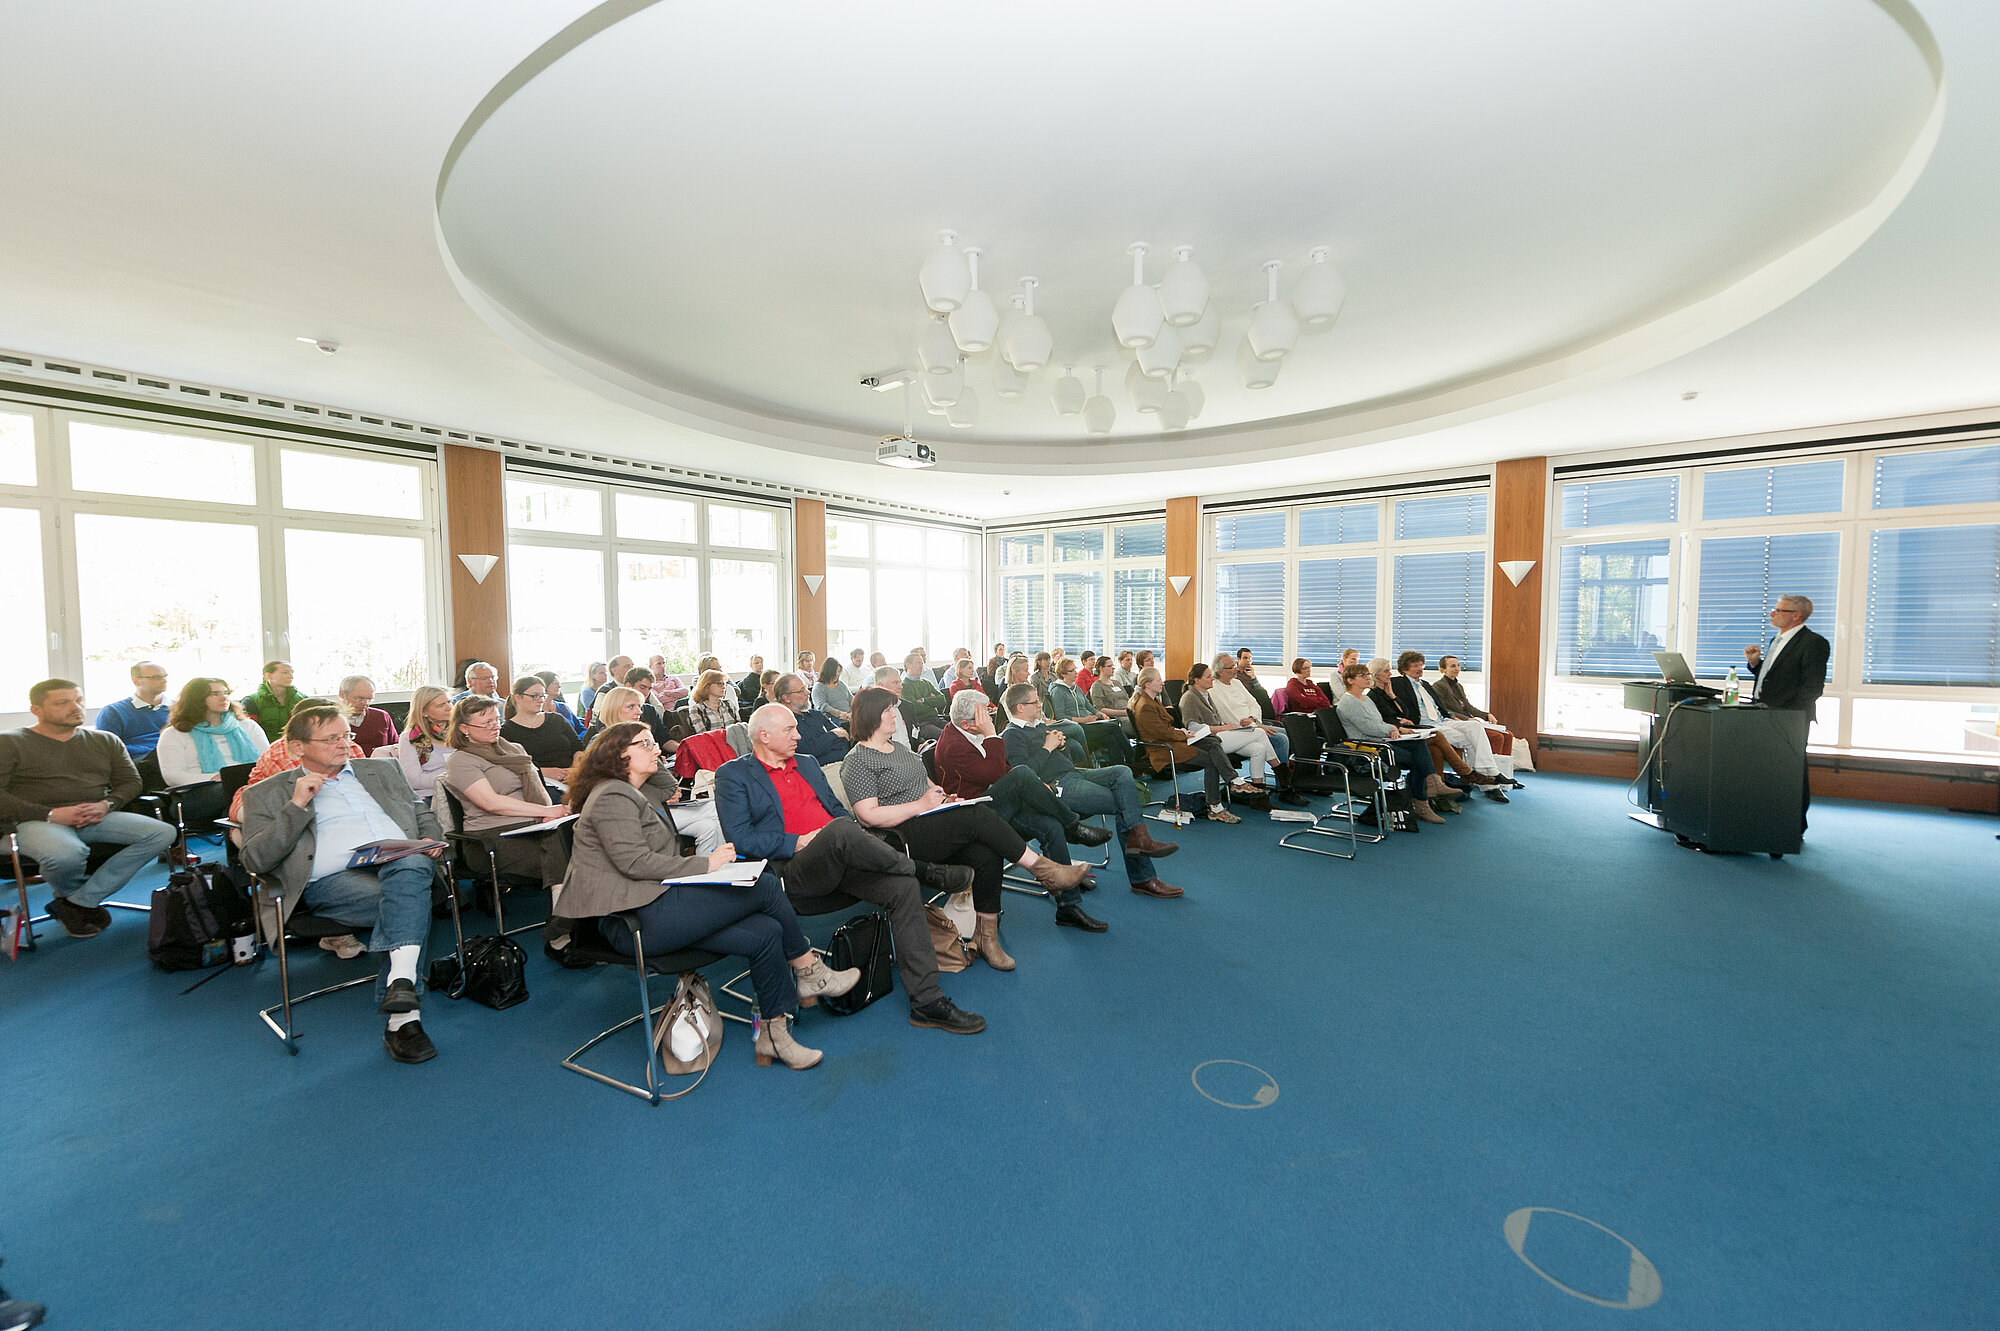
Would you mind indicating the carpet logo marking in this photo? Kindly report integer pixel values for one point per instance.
(1262, 1098)
(1643, 1278)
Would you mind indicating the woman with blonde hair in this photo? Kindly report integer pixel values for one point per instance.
(423, 754)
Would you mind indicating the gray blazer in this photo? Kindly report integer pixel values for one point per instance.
(1198, 708)
(278, 835)
(623, 849)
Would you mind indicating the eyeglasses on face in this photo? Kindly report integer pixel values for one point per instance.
(645, 742)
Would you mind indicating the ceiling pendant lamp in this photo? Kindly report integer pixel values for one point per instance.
(944, 277)
(1196, 397)
(1069, 392)
(1098, 413)
(974, 321)
(1198, 339)
(1147, 394)
(961, 414)
(1161, 359)
(1256, 373)
(1029, 342)
(1274, 328)
(1174, 413)
(1184, 290)
(1318, 294)
(1137, 316)
(941, 390)
(1008, 381)
(935, 350)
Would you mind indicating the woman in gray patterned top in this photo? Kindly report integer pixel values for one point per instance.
(887, 787)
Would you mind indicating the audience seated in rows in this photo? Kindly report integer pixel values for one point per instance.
(1069, 703)
(694, 818)
(668, 731)
(776, 805)
(710, 706)
(205, 734)
(370, 725)
(1416, 700)
(546, 738)
(64, 790)
(1165, 745)
(138, 720)
(1443, 755)
(1243, 714)
(1361, 720)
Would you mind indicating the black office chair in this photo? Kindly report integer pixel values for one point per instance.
(173, 802)
(1373, 767)
(26, 873)
(1170, 693)
(399, 712)
(472, 852)
(1311, 764)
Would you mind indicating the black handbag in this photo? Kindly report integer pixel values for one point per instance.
(863, 942)
(494, 972)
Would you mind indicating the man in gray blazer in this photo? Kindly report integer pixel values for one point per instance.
(300, 829)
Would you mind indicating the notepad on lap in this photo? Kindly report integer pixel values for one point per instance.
(743, 873)
(533, 828)
(381, 852)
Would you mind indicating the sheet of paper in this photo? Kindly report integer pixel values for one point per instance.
(1198, 732)
(956, 804)
(743, 873)
(532, 828)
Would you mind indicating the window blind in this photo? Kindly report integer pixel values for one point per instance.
(1087, 543)
(1250, 531)
(1250, 608)
(1742, 577)
(1431, 517)
(1620, 503)
(1336, 607)
(1440, 602)
(1342, 524)
(1021, 549)
(1138, 610)
(1079, 617)
(1756, 492)
(1933, 606)
(1612, 607)
(1950, 476)
(1143, 540)
(1022, 615)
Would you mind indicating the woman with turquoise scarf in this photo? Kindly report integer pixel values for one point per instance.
(204, 734)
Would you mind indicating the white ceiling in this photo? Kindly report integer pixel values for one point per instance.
(188, 188)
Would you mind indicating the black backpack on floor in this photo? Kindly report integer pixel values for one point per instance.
(198, 912)
(863, 941)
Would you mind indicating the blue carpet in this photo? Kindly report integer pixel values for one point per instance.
(1776, 1080)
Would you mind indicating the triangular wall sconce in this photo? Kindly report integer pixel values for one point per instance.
(1179, 584)
(812, 581)
(479, 565)
(1516, 569)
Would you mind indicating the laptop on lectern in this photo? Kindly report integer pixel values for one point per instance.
(1674, 667)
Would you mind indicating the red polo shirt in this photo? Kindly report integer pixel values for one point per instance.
(803, 811)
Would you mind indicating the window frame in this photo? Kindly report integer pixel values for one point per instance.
(1105, 567)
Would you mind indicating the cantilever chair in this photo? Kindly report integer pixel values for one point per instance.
(1306, 743)
(473, 851)
(587, 944)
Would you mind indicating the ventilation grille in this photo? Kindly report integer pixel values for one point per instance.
(139, 389)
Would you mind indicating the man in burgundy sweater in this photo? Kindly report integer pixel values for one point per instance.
(972, 761)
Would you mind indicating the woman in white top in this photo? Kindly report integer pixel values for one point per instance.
(204, 734)
(422, 754)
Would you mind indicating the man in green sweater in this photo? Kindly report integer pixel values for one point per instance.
(61, 789)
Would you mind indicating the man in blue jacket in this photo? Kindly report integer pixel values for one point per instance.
(775, 804)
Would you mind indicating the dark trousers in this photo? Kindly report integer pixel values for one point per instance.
(977, 838)
(1033, 810)
(1216, 771)
(755, 923)
(844, 857)
(1414, 757)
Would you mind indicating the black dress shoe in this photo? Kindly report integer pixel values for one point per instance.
(409, 1044)
(943, 877)
(1073, 917)
(1087, 834)
(1497, 795)
(943, 1015)
(1293, 798)
(402, 997)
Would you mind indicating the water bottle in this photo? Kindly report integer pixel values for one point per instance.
(1731, 689)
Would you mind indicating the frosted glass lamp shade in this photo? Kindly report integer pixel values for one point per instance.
(1148, 394)
(1274, 330)
(1161, 359)
(1029, 343)
(1318, 294)
(944, 276)
(961, 414)
(1174, 411)
(935, 350)
(1008, 381)
(1198, 339)
(1184, 290)
(1196, 397)
(941, 390)
(974, 322)
(1069, 396)
(1098, 414)
(1137, 317)
(1256, 373)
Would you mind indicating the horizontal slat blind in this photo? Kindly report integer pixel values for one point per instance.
(1250, 608)
(1022, 613)
(1250, 531)
(1079, 619)
(1433, 517)
(1612, 607)
(1440, 602)
(1336, 607)
(1138, 610)
(1141, 540)
(1742, 577)
(1343, 524)
(1787, 491)
(1933, 606)
(1620, 503)
(1021, 549)
(1087, 543)
(1924, 480)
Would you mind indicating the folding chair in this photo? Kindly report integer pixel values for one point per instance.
(471, 849)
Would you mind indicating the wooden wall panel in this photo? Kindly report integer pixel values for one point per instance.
(475, 505)
(1514, 668)
(809, 558)
(1183, 552)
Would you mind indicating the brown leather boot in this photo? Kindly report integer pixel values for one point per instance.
(986, 942)
(1139, 841)
(1057, 877)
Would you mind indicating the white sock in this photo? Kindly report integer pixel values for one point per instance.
(402, 1019)
(403, 963)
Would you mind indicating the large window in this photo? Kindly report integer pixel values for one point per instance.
(210, 551)
(1380, 576)
(892, 586)
(598, 570)
(1899, 551)
(1082, 588)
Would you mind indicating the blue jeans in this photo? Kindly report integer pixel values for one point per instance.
(393, 899)
(64, 853)
(755, 923)
(1110, 790)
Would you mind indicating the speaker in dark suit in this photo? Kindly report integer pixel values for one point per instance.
(1791, 674)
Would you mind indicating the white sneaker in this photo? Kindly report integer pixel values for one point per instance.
(345, 946)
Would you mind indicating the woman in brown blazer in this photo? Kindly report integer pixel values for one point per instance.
(1149, 716)
(623, 850)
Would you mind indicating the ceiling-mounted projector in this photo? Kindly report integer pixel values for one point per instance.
(899, 450)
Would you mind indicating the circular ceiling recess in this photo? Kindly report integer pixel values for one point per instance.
(719, 212)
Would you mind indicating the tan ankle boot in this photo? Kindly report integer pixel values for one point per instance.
(774, 1041)
(986, 942)
(1057, 877)
(1425, 813)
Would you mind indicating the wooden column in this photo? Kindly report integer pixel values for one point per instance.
(809, 555)
(1514, 670)
(475, 523)
(1183, 549)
